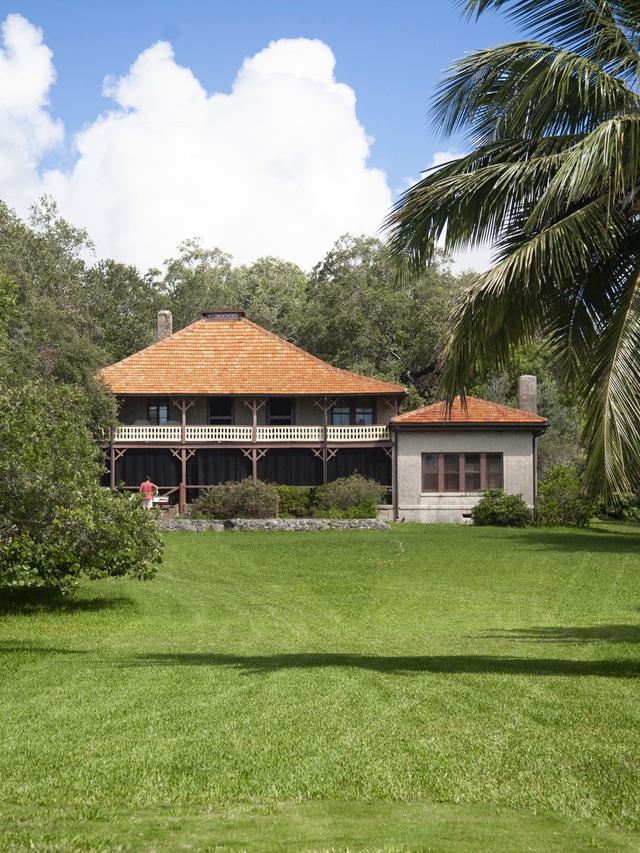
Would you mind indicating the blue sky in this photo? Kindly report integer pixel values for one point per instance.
(390, 54)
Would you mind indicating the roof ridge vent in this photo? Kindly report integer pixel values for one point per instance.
(224, 314)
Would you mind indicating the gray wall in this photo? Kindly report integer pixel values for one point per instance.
(305, 411)
(414, 505)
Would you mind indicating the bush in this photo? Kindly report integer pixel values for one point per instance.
(245, 499)
(295, 501)
(56, 522)
(562, 500)
(626, 508)
(501, 510)
(349, 497)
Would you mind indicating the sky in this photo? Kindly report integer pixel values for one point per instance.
(263, 127)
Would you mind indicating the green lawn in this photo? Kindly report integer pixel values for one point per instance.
(443, 688)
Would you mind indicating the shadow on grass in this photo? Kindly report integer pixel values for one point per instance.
(552, 634)
(401, 665)
(594, 540)
(12, 647)
(38, 601)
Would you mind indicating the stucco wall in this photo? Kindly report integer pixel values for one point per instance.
(414, 505)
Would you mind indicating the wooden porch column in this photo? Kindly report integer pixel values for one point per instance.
(182, 454)
(254, 405)
(114, 455)
(183, 405)
(325, 405)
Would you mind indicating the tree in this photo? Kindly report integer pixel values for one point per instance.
(56, 522)
(553, 180)
(360, 317)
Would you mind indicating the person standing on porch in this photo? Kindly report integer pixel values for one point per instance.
(148, 490)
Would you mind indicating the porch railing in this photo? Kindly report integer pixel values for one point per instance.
(243, 434)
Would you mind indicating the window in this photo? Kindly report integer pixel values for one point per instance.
(471, 472)
(157, 410)
(429, 472)
(364, 412)
(358, 411)
(281, 410)
(341, 414)
(462, 472)
(451, 472)
(495, 477)
(221, 410)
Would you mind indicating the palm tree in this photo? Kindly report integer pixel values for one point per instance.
(553, 183)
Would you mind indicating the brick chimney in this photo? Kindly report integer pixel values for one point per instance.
(165, 324)
(528, 393)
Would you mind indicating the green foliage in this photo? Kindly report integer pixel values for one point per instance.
(553, 124)
(362, 317)
(245, 499)
(56, 522)
(295, 501)
(349, 497)
(562, 500)
(498, 509)
(626, 508)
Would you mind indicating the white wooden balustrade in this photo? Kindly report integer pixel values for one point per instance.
(216, 433)
(372, 432)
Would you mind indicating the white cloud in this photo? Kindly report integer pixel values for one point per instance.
(27, 131)
(478, 258)
(277, 166)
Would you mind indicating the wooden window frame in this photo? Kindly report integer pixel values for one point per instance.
(292, 412)
(222, 420)
(462, 489)
(354, 403)
(157, 403)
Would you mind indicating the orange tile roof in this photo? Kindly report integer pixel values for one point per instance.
(233, 357)
(473, 411)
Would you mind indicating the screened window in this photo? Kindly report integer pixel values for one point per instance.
(471, 472)
(495, 478)
(451, 472)
(157, 410)
(462, 472)
(221, 410)
(363, 414)
(358, 411)
(281, 410)
(430, 472)
(341, 414)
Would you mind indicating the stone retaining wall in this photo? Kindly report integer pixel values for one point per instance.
(301, 525)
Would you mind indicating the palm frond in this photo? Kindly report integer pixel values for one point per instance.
(528, 89)
(604, 31)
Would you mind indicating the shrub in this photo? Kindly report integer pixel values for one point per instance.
(56, 522)
(295, 501)
(501, 510)
(348, 495)
(626, 508)
(244, 499)
(562, 500)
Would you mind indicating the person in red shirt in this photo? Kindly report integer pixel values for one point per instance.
(148, 490)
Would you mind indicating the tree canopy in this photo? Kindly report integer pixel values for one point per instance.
(552, 126)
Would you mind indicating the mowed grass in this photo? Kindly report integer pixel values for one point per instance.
(431, 687)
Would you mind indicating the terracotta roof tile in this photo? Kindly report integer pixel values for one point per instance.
(474, 411)
(233, 357)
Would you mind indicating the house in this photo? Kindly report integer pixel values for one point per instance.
(447, 456)
(224, 399)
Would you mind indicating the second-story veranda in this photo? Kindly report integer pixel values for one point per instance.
(224, 383)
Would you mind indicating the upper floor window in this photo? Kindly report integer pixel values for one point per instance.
(280, 411)
(220, 410)
(462, 472)
(157, 410)
(358, 411)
